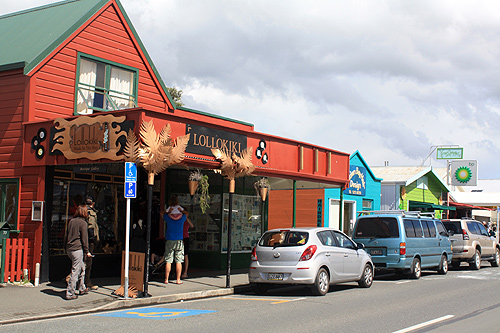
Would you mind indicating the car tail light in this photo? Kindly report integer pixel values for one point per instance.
(465, 234)
(402, 249)
(308, 253)
(254, 254)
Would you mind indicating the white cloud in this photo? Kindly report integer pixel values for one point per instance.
(387, 78)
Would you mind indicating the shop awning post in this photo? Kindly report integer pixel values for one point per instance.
(148, 234)
(229, 231)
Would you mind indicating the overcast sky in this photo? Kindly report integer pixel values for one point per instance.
(388, 78)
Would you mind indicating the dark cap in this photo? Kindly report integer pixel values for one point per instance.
(89, 200)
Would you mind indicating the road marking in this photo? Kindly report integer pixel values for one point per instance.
(275, 301)
(401, 282)
(154, 313)
(427, 323)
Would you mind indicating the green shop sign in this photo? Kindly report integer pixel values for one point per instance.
(450, 153)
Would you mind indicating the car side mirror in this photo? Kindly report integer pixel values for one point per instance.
(451, 232)
(360, 246)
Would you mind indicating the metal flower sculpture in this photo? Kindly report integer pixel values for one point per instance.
(235, 166)
(156, 152)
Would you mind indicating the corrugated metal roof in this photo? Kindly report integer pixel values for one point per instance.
(397, 174)
(28, 36)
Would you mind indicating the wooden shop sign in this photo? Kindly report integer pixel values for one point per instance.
(203, 139)
(135, 270)
(89, 137)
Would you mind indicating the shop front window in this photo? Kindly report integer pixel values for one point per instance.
(210, 228)
(109, 202)
(247, 222)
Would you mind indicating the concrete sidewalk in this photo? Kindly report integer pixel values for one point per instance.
(23, 303)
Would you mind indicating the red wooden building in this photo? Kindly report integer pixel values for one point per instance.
(74, 79)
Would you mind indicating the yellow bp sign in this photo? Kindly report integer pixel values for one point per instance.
(464, 173)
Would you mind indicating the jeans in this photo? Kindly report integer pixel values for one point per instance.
(77, 273)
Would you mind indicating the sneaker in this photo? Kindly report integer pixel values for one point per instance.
(84, 292)
(71, 297)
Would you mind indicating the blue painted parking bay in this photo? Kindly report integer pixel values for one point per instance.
(154, 313)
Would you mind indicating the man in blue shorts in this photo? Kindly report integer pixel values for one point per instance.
(174, 246)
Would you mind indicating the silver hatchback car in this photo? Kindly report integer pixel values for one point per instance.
(316, 257)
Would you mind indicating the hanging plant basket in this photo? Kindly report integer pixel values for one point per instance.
(262, 186)
(193, 186)
(263, 193)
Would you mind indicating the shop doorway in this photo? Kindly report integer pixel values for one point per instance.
(349, 217)
(334, 214)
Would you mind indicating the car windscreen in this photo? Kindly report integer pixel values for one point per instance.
(453, 226)
(284, 238)
(377, 227)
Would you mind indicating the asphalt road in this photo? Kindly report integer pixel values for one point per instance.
(462, 300)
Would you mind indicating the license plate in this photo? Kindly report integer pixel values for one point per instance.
(275, 276)
(376, 252)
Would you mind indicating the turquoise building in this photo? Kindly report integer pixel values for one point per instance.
(363, 193)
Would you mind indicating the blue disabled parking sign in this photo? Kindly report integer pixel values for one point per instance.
(130, 172)
(130, 189)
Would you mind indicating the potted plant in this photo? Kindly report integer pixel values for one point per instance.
(199, 182)
(262, 186)
(193, 181)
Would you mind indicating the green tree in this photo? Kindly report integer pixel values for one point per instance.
(176, 94)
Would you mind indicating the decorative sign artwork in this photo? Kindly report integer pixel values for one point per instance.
(259, 152)
(357, 181)
(89, 137)
(36, 143)
(204, 139)
(464, 173)
(449, 153)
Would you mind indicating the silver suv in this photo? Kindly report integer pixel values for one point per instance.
(472, 243)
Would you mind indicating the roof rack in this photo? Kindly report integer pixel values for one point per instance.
(403, 213)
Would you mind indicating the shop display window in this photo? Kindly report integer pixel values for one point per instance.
(109, 202)
(247, 222)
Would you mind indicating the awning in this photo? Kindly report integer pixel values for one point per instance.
(467, 206)
(428, 205)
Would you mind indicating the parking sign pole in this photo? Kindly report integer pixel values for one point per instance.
(130, 189)
(127, 248)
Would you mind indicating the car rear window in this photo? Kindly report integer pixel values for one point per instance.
(453, 226)
(377, 227)
(284, 238)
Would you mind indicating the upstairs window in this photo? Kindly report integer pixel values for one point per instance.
(103, 86)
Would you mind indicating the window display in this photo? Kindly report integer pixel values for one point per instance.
(247, 222)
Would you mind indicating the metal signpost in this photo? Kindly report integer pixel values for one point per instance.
(130, 193)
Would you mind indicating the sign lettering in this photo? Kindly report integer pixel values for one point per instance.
(203, 139)
(357, 181)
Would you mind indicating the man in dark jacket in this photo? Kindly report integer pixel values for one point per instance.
(77, 247)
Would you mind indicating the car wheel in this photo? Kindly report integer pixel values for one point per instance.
(322, 283)
(455, 264)
(443, 265)
(476, 261)
(367, 277)
(496, 260)
(416, 269)
(259, 288)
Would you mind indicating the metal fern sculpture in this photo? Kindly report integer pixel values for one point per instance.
(156, 152)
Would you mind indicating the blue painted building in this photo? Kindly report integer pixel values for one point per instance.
(363, 193)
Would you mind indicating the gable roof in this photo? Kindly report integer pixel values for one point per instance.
(34, 33)
(367, 167)
(406, 175)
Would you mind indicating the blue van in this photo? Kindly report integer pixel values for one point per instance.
(404, 241)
